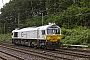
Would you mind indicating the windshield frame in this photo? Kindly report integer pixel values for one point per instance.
(53, 31)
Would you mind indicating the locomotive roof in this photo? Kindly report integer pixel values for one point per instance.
(35, 28)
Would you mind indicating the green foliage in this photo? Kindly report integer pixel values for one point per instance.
(79, 35)
(34, 21)
(65, 13)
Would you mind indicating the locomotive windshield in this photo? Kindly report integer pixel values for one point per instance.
(53, 31)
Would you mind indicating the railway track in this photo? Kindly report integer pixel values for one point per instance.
(1, 58)
(63, 53)
(32, 52)
(75, 52)
(7, 56)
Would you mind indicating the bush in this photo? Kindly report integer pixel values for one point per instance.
(5, 37)
(79, 35)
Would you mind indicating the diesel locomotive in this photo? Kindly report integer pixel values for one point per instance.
(48, 36)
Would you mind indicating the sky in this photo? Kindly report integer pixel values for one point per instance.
(4, 1)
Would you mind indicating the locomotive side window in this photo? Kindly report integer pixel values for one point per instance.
(15, 34)
(43, 32)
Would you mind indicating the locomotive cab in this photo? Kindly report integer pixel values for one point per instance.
(53, 37)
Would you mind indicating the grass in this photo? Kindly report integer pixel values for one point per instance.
(6, 37)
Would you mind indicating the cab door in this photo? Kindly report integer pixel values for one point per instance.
(43, 34)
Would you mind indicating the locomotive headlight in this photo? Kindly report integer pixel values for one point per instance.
(48, 39)
(58, 38)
